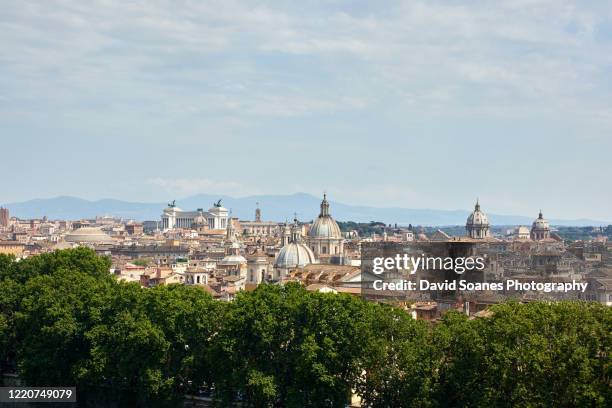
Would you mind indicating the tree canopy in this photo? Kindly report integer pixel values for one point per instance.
(65, 320)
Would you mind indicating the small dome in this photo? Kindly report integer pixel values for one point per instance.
(522, 230)
(477, 217)
(89, 235)
(540, 223)
(233, 260)
(294, 255)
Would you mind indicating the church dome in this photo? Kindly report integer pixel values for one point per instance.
(540, 223)
(477, 217)
(522, 230)
(294, 255)
(234, 259)
(325, 226)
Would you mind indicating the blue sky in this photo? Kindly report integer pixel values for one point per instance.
(418, 104)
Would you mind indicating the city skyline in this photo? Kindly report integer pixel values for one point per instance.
(276, 208)
(413, 106)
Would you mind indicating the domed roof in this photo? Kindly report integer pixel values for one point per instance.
(325, 226)
(233, 259)
(477, 217)
(540, 223)
(294, 255)
(522, 230)
(89, 234)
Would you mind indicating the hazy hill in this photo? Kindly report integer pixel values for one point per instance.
(274, 207)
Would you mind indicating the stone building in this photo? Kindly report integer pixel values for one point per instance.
(259, 227)
(259, 267)
(173, 217)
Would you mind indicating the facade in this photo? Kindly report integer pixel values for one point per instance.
(259, 227)
(162, 254)
(11, 248)
(540, 229)
(477, 225)
(258, 267)
(324, 235)
(196, 277)
(215, 218)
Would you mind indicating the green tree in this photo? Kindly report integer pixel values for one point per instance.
(398, 360)
(10, 296)
(281, 345)
(189, 318)
(80, 259)
(127, 357)
(538, 354)
(56, 312)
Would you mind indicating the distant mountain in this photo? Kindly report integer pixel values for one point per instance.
(274, 207)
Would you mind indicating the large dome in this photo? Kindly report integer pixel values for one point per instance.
(477, 217)
(89, 235)
(294, 255)
(325, 226)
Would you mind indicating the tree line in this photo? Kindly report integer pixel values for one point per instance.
(65, 321)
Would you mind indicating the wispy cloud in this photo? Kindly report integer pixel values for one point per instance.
(312, 93)
(224, 56)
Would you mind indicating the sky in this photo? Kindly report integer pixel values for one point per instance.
(416, 104)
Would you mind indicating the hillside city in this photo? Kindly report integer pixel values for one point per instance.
(224, 255)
